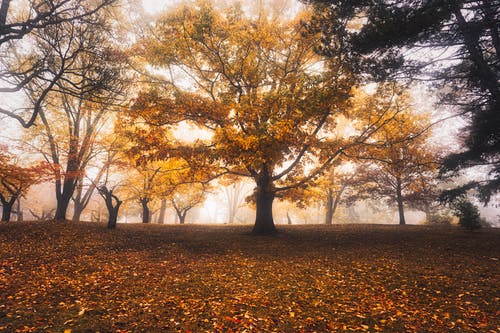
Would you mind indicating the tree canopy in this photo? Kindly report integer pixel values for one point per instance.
(272, 103)
(55, 28)
(74, 108)
(454, 44)
(15, 180)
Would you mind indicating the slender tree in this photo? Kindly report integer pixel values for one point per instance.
(403, 164)
(337, 186)
(91, 83)
(15, 180)
(111, 186)
(235, 194)
(186, 197)
(113, 204)
(40, 16)
(83, 194)
(162, 211)
(147, 190)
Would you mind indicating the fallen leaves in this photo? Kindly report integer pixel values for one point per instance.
(81, 277)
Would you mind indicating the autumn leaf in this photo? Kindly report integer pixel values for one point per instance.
(62, 277)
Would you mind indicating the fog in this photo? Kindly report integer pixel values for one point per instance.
(40, 203)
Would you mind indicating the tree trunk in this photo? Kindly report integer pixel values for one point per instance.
(62, 207)
(80, 201)
(71, 178)
(231, 214)
(163, 208)
(288, 218)
(264, 223)
(332, 204)
(6, 213)
(112, 209)
(4, 9)
(64, 198)
(7, 210)
(77, 212)
(428, 214)
(20, 217)
(179, 214)
(329, 207)
(182, 217)
(113, 215)
(7, 206)
(145, 211)
(399, 199)
(264, 197)
(234, 194)
(77, 199)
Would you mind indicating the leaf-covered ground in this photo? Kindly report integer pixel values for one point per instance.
(62, 277)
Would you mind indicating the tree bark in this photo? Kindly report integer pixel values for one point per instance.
(81, 199)
(329, 207)
(163, 208)
(62, 205)
(6, 210)
(77, 199)
(7, 206)
(182, 217)
(264, 222)
(77, 212)
(72, 175)
(20, 217)
(145, 210)
(332, 203)
(112, 209)
(68, 187)
(179, 213)
(264, 198)
(428, 214)
(113, 215)
(399, 199)
(4, 9)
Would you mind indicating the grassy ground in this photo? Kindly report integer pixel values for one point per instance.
(150, 278)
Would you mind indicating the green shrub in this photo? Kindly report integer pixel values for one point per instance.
(467, 213)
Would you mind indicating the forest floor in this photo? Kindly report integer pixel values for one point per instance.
(66, 277)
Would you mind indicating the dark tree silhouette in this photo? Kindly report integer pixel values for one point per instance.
(458, 45)
(113, 204)
(43, 15)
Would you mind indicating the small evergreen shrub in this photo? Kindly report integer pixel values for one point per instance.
(467, 213)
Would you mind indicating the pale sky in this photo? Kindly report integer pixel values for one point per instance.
(286, 7)
(155, 6)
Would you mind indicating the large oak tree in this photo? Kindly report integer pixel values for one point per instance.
(257, 83)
